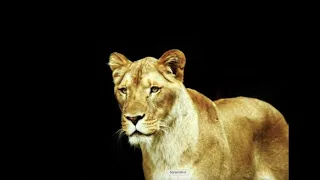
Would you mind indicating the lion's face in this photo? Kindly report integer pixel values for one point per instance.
(146, 90)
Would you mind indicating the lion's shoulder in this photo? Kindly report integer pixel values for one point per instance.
(203, 105)
(199, 99)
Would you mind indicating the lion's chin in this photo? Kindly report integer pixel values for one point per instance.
(139, 139)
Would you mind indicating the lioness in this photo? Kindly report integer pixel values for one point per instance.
(183, 134)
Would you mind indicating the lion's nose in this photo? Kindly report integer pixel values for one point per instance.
(134, 118)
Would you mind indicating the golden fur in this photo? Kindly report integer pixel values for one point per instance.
(181, 129)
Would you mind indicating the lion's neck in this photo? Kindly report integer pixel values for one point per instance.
(180, 139)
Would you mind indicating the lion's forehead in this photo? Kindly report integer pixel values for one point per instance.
(143, 73)
(144, 80)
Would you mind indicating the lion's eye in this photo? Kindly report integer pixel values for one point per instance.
(123, 90)
(154, 89)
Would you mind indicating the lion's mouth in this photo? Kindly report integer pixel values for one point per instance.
(138, 133)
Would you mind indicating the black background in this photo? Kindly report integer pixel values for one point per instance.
(69, 115)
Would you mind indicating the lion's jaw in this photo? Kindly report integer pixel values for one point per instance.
(140, 134)
(137, 140)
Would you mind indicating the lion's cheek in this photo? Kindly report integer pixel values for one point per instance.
(160, 113)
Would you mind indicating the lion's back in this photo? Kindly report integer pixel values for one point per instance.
(254, 110)
(256, 118)
(255, 128)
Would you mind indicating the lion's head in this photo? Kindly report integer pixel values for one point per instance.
(146, 91)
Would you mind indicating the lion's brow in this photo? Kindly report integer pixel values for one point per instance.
(138, 71)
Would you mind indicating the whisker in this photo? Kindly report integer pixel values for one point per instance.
(164, 125)
(152, 121)
(120, 134)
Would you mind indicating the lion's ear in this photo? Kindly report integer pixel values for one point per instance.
(118, 64)
(117, 60)
(175, 62)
